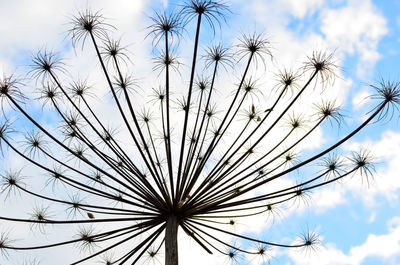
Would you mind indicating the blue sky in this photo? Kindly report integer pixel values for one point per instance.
(359, 223)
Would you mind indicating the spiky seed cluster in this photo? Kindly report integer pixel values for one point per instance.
(324, 66)
(9, 88)
(113, 51)
(311, 240)
(86, 236)
(295, 121)
(328, 110)
(5, 243)
(80, 89)
(165, 24)
(255, 45)
(333, 164)
(389, 92)
(5, 131)
(363, 162)
(40, 214)
(218, 55)
(212, 11)
(88, 25)
(164, 60)
(125, 84)
(46, 63)
(10, 182)
(287, 80)
(34, 143)
(48, 94)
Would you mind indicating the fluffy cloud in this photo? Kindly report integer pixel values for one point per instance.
(300, 8)
(26, 26)
(356, 27)
(385, 246)
(360, 99)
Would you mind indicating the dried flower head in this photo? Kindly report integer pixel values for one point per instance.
(165, 25)
(212, 11)
(255, 45)
(88, 24)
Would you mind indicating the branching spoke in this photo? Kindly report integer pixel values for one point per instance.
(116, 169)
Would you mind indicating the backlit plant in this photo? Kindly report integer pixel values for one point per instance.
(195, 156)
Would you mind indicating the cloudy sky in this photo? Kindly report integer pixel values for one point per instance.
(359, 222)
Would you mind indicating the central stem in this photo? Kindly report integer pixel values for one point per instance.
(171, 241)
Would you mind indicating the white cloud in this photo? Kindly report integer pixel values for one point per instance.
(385, 247)
(372, 217)
(326, 198)
(355, 28)
(360, 99)
(300, 8)
(385, 181)
(31, 25)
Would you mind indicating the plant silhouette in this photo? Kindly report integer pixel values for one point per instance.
(191, 158)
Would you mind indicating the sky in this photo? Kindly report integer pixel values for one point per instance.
(359, 221)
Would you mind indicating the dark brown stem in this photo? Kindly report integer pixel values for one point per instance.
(171, 241)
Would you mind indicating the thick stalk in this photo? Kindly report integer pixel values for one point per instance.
(171, 241)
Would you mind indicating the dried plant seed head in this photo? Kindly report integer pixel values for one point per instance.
(79, 90)
(114, 52)
(389, 93)
(323, 65)
(364, 163)
(287, 79)
(146, 116)
(55, 176)
(255, 46)
(40, 215)
(34, 144)
(48, 93)
(210, 175)
(108, 136)
(328, 110)
(218, 55)
(108, 259)
(10, 91)
(5, 244)
(5, 131)
(182, 105)
(74, 207)
(164, 61)
(250, 89)
(73, 121)
(86, 238)
(202, 84)
(295, 121)
(46, 65)
(290, 158)
(333, 165)
(211, 11)
(88, 25)
(125, 85)
(302, 196)
(251, 114)
(310, 241)
(11, 182)
(165, 25)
